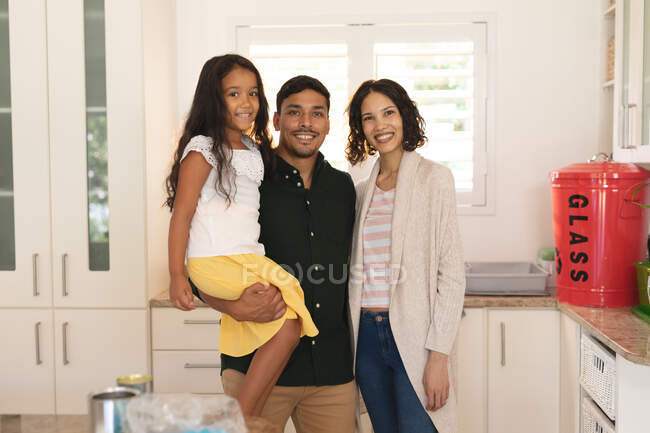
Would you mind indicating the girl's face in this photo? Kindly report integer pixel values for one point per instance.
(239, 88)
(382, 123)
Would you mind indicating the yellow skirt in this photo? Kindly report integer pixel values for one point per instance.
(226, 277)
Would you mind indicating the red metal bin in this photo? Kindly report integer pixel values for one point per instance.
(599, 232)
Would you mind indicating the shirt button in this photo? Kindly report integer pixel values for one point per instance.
(286, 176)
(313, 342)
(317, 305)
(295, 172)
(311, 234)
(299, 184)
(308, 203)
(316, 268)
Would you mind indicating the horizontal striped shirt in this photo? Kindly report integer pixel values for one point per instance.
(376, 250)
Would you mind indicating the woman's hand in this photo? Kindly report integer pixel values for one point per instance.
(436, 380)
(180, 293)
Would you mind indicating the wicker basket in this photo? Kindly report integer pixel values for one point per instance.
(593, 419)
(598, 374)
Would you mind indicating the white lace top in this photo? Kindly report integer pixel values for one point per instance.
(216, 228)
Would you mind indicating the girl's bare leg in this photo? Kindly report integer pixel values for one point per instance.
(266, 367)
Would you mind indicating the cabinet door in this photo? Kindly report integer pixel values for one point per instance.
(97, 147)
(631, 94)
(569, 375)
(523, 371)
(27, 363)
(24, 159)
(472, 374)
(93, 348)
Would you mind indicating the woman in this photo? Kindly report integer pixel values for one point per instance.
(406, 305)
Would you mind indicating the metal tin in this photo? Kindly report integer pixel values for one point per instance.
(107, 409)
(141, 382)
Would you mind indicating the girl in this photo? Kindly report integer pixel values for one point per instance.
(407, 307)
(213, 193)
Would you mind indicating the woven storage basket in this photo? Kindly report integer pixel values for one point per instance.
(593, 419)
(598, 374)
(611, 46)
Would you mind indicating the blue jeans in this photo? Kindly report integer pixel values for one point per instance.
(392, 403)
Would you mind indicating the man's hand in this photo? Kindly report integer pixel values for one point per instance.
(258, 303)
(436, 381)
(180, 294)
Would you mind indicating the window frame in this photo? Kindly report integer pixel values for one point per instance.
(481, 201)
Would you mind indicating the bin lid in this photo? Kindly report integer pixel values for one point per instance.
(600, 170)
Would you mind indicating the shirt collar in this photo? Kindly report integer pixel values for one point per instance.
(288, 172)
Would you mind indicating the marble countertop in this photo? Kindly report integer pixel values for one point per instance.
(617, 328)
(162, 301)
(79, 424)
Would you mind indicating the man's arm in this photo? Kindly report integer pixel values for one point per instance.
(258, 303)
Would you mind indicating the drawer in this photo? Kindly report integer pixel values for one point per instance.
(598, 374)
(174, 329)
(196, 371)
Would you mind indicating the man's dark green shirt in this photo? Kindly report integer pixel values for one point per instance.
(309, 232)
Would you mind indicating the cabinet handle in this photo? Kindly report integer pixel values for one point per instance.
(35, 273)
(191, 365)
(202, 322)
(630, 126)
(503, 344)
(65, 344)
(64, 271)
(37, 333)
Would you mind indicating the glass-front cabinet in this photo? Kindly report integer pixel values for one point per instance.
(631, 133)
(71, 154)
(25, 262)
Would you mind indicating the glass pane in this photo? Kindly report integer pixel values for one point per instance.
(7, 227)
(327, 62)
(97, 147)
(646, 74)
(440, 79)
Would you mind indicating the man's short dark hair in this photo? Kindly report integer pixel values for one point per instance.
(298, 84)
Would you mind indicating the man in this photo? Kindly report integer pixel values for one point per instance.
(306, 218)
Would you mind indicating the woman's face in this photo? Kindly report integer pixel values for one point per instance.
(239, 89)
(382, 123)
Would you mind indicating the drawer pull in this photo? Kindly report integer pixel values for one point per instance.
(202, 322)
(37, 332)
(66, 361)
(503, 344)
(191, 365)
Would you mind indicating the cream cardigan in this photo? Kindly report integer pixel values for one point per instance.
(426, 298)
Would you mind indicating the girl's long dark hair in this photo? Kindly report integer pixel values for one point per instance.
(208, 117)
(358, 148)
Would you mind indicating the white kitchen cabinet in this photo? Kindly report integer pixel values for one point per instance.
(569, 375)
(27, 361)
(92, 349)
(471, 393)
(49, 193)
(523, 371)
(81, 99)
(25, 264)
(631, 109)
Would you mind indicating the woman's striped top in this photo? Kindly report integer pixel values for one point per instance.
(376, 250)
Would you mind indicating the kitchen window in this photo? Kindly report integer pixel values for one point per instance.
(443, 67)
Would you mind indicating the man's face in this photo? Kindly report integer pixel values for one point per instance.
(303, 123)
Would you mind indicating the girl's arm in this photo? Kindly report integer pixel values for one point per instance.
(191, 177)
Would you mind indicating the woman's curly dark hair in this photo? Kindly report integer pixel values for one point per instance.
(208, 115)
(358, 148)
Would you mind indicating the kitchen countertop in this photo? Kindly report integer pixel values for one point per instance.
(79, 424)
(617, 328)
(471, 301)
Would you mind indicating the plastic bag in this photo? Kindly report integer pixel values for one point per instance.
(185, 413)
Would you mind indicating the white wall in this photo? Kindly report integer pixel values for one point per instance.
(548, 93)
(159, 47)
